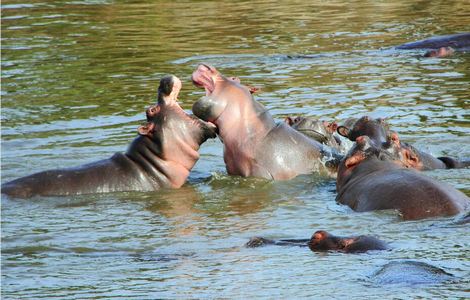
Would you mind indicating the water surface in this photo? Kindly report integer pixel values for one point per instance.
(78, 75)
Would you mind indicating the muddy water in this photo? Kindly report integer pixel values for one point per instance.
(78, 75)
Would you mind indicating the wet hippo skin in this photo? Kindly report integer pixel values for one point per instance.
(369, 178)
(160, 157)
(254, 144)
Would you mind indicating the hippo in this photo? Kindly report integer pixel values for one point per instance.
(381, 135)
(441, 46)
(460, 41)
(160, 157)
(410, 272)
(320, 131)
(254, 144)
(369, 178)
(323, 131)
(376, 129)
(323, 241)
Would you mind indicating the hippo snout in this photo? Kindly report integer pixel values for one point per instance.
(202, 77)
(203, 108)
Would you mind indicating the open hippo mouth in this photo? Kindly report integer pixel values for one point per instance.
(168, 92)
(203, 77)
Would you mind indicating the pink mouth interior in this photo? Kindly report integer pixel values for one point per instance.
(202, 78)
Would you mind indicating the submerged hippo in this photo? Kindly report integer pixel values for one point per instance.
(457, 41)
(380, 134)
(254, 145)
(369, 178)
(162, 156)
(324, 241)
(441, 46)
(410, 273)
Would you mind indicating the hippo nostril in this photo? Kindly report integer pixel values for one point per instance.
(152, 111)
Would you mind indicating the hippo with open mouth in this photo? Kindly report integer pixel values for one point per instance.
(160, 157)
(254, 144)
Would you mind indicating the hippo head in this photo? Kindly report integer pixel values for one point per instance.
(364, 149)
(375, 129)
(323, 241)
(402, 152)
(221, 92)
(167, 120)
(321, 131)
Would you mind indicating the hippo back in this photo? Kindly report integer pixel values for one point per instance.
(460, 41)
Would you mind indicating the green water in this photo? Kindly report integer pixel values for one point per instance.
(78, 75)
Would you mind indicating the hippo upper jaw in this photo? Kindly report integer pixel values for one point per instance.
(204, 77)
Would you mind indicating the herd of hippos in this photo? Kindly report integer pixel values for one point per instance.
(375, 171)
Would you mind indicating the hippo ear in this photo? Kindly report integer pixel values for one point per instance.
(146, 129)
(411, 159)
(354, 160)
(152, 111)
(333, 126)
(343, 131)
(394, 139)
(289, 121)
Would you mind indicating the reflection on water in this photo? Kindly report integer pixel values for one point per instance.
(78, 75)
